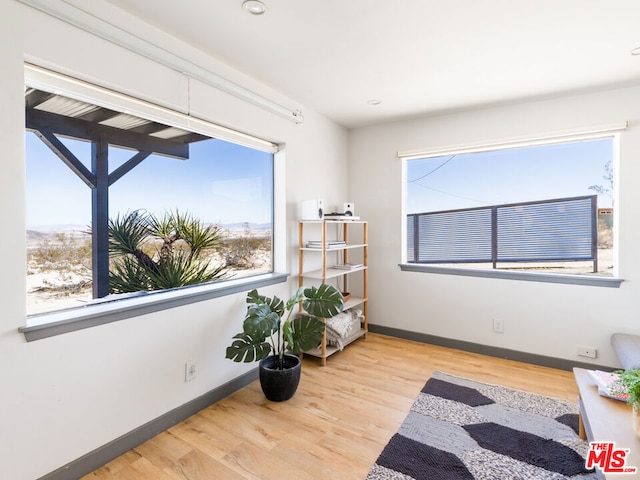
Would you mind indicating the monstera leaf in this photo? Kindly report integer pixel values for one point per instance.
(248, 349)
(324, 301)
(306, 333)
(270, 327)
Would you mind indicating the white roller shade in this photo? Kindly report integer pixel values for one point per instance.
(49, 81)
(551, 137)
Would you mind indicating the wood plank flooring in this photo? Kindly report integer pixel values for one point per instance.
(336, 425)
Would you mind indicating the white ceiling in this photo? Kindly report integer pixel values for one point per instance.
(416, 56)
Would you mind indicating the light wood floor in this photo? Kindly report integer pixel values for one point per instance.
(333, 428)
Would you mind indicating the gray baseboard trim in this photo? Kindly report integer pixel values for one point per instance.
(532, 358)
(101, 456)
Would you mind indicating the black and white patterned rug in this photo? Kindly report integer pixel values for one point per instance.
(459, 429)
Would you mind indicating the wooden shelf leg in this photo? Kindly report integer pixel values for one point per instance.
(324, 343)
(582, 433)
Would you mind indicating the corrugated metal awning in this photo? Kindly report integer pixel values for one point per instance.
(70, 108)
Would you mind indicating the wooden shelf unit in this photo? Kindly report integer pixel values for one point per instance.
(327, 272)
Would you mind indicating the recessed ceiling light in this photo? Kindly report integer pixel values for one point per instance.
(635, 51)
(255, 7)
(374, 101)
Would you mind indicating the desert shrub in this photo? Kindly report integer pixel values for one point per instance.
(61, 251)
(64, 259)
(242, 252)
(246, 250)
(605, 235)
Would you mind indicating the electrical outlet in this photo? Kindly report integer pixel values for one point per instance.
(498, 326)
(189, 370)
(590, 352)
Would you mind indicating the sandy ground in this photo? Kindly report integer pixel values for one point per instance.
(51, 290)
(42, 298)
(605, 266)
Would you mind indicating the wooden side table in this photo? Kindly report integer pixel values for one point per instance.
(604, 419)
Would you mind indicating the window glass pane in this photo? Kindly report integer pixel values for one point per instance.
(58, 216)
(172, 208)
(525, 208)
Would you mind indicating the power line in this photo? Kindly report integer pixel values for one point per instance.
(451, 194)
(435, 169)
(415, 181)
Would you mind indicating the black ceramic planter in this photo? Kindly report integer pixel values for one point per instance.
(280, 385)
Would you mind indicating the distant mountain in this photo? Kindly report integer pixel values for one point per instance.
(35, 235)
(36, 231)
(68, 227)
(241, 226)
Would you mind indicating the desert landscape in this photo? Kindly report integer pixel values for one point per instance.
(59, 263)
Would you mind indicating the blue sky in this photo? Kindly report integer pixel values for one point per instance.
(220, 183)
(227, 183)
(508, 176)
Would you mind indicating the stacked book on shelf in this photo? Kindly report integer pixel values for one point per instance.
(330, 244)
(608, 385)
(348, 266)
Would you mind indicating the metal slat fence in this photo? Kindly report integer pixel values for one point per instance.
(563, 229)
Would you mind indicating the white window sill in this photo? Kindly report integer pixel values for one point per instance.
(57, 323)
(587, 280)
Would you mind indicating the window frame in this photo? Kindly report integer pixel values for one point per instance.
(613, 130)
(56, 323)
(109, 310)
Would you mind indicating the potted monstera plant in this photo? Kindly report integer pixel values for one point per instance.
(273, 335)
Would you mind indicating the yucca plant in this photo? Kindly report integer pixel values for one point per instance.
(157, 253)
(270, 328)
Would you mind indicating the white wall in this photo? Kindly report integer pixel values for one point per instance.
(540, 318)
(67, 395)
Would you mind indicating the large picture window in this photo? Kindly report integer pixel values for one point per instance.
(118, 205)
(541, 208)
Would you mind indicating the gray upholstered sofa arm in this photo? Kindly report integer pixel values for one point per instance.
(627, 348)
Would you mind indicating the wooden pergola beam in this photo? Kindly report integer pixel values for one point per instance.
(57, 147)
(38, 120)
